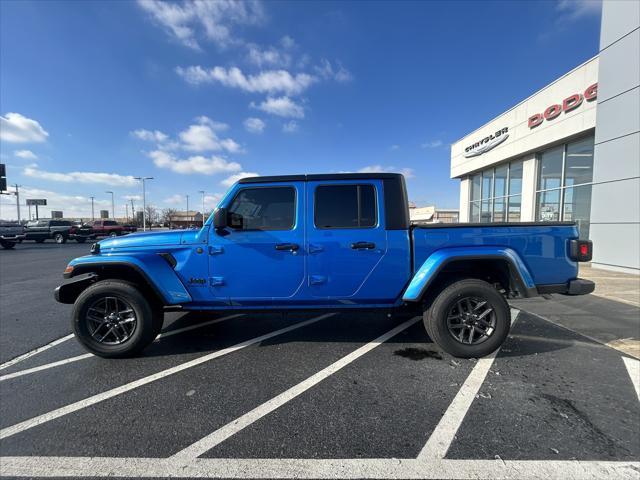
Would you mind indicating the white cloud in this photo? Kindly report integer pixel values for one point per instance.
(202, 138)
(213, 20)
(328, 72)
(112, 179)
(195, 164)
(267, 57)
(394, 147)
(407, 172)
(290, 127)
(432, 144)
(16, 128)
(575, 9)
(281, 106)
(230, 180)
(73, 206)
(254, 125)
(135, 198)
(267, 81)
(149, 136)
(176, 199)
(25, 154)
(211, 201)
(215, 126)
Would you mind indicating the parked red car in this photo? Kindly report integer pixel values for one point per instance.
(107, 228)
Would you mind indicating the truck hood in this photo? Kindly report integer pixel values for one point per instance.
(150, 239)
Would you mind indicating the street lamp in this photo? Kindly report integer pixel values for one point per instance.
(113, 207)
(93, 217)
(144, 201)
(202, 192)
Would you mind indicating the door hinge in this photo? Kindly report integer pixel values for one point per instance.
(215, 250)
(216, 281)
(317, 279)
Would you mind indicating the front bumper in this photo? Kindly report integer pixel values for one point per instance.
(579, 286)
(12, 238)
(75, 236)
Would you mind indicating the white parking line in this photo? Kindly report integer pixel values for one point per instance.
(633, 367)
(383, 468)
(220, 435)
(46, 366)
(41, 349)
(89, 355)
(440, 440)
(59, 412)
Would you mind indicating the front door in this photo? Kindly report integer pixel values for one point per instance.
(346, 238)
(259, 257)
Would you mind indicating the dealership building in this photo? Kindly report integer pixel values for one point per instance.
(569, 152)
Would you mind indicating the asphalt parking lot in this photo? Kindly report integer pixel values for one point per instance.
(308, 394)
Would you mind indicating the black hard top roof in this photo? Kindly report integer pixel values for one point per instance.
(320, 176)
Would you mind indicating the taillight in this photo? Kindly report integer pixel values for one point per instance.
(581, 250)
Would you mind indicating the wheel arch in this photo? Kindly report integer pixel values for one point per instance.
(500, 266)
(163, 286)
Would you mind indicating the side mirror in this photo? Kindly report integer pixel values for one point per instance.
(220, 218)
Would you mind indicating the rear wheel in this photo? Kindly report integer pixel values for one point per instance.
(59, 238)
(112, 319)
(468, 319)
(113, 234)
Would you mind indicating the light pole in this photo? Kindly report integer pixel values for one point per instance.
(202, 192)
(93, 217)
(113, 207)
(18, 200)
(144, 201)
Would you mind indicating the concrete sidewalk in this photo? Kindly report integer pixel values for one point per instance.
(617, 286)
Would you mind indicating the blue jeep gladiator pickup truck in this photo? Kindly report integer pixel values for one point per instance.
(322, 241)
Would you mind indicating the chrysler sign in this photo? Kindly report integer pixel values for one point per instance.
(487, 143)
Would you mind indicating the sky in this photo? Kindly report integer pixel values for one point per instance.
(199, 94)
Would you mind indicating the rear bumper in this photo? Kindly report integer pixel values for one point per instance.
(579, 286)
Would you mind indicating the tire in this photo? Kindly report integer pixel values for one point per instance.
(81, 240)
(113, 234)
(459, 301)
(141, 332)
(59, 238)
(40, 240)
(7, 245)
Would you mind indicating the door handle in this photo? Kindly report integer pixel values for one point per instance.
(292, 247)
(363, 245)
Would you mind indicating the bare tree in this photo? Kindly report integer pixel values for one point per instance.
(152, 215)
(166, 214)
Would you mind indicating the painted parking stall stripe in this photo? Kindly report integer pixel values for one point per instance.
(35, 351)
(633, 367)
(220, 435)
(66, 361)
(59, 412)
(443, 435)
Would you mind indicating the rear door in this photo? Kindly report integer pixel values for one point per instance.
(346, 237)
(259, 257)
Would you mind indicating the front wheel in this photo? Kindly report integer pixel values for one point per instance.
(7, 245)
(59, 238)
(113, 234)
(112, 319)
(468, 319)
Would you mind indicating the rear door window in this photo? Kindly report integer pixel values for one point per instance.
(345, 206)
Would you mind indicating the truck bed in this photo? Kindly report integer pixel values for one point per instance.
(542, 246)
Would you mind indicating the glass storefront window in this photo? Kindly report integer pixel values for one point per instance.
(579, 162)
(500, 182)
(496, 194)
(514, 208)
(565, 174)
(550, 172)
(515, 178)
